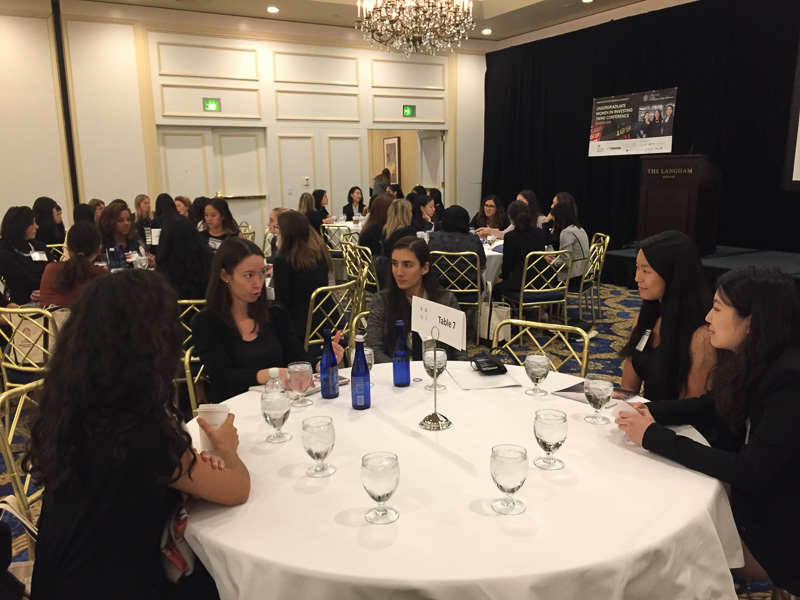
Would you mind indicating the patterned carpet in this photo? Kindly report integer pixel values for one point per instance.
(619, 307)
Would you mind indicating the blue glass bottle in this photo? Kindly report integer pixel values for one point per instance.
(400, 360)
(123, 260)
(359, 376)
(329, 369)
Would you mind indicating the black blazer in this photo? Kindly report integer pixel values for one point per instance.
(516, 246)
(293, 289)
(23, 274)
(764, 473)
(347, 211)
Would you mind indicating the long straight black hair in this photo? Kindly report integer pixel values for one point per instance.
(683, 308)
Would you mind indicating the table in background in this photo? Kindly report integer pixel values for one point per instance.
(616, 522)
(494, 261)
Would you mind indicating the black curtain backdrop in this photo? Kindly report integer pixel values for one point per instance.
(733, 62)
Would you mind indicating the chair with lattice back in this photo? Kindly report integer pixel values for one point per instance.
(187, 309)
(247, 232)
(460, 273)
(59, 251)
(332, 307)
(544, 283)
(28, 345)
(266, 246)
(192, 376)
(550, 338)
(17, 407)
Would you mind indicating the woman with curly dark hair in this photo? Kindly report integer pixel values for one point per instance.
(185, 258)
(755, 405)
(108, 446)
(117, 230)
(491, 214)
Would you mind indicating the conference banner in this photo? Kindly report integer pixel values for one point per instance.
(633, 124)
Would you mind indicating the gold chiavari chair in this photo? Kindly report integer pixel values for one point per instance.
(266, 246)
(332, 307)
(190, 360)
(333, 235)
(588, 291)
(460, 272)
(187, 309)
(29, 345)
(247, 232)
(59, 251)
(553, 338)
(193, 368)
(18, 405)
(541, 284)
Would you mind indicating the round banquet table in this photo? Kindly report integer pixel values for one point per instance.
(617, 522)
(494, 261)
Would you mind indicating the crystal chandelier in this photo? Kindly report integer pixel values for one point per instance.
(415, 26)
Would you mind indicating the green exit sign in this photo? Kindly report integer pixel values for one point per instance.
(409, 110)
(212, 105)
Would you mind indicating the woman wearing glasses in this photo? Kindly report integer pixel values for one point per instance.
(491, 214)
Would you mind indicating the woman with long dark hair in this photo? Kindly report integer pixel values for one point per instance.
(108, 446)
(423, 212)
(309, 207)
(669, 348)
(198, 211)
(491, 214)
(23, 258)
(560, 198)
(184, 258)
(97, 206)
(301, 266)
(519, 242)
(47, 213)
(355, 203)
(755, 404)
(219, 223)
(241, 334)
(63, 282)
(456, 237)
(410, 276)
(571, 236)
(373, 227)
(165, 210)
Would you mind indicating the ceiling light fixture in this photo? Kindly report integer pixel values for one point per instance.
(415, 26)
(587, 1)
(273, 9)
(487, 32)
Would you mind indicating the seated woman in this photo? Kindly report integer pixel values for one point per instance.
(143, 217)
(116, 229)
(63, 282)
(218, 222)
(23, 258)
(198, 213)
(519, 242)
(308, 207)
(82, 213)
(240, 334)
(398, 225)
(184, 258)
(563, 198)
(98, 206)
(669, 347)
(411, 276)
(320, 202)
(183, 205)
(455, 237)
(272, 226)
(48, 220)
(108, 446)
(355, 203)
(423, 213)
(165, 210)
(755, 326)
(571, 236)
(537, 218)
(373, 227)
(491, 215)
(395, 190)
(301, 266)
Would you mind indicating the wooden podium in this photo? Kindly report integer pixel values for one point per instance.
(680, 191)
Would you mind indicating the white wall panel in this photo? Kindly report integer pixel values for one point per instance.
(315, 68)
(107, 111)
(407, 75)
(316, 106)
(185, 160)
(469, 131)
(30, 152)
(343, 168)
(178, 100)
(389, 109)
(296, 160)
(241, 161)
(189, 60)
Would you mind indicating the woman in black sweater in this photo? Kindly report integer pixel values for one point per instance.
(755, 406)
(371, 231)
(240, 334)
(519, 242)
(22, 257)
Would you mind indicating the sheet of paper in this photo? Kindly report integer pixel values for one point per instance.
(621, 406)
(467, 378)
(451, 323)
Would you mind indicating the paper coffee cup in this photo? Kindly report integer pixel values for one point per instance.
(214, 415)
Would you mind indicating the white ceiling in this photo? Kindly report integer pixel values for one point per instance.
(506, 18)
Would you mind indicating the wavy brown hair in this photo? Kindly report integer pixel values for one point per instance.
(109, 216)
(300, 244)
(110, 374)
(83, 240)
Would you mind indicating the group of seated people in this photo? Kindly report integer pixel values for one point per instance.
(728, 363)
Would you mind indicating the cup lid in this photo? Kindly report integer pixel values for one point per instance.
(212, 408)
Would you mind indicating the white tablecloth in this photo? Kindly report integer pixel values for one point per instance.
(494, 262)
(617, 522)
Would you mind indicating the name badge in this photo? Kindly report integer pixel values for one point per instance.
(643, 342)
(38, 256)
(214, 243)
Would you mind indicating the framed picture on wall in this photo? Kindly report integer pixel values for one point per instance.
(391, 158)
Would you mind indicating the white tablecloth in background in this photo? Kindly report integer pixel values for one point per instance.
(617, 522)
(494, 262)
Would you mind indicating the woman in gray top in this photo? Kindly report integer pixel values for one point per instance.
(410, 277)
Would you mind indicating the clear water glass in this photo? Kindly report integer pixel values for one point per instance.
(598, 393)
(275, 407)
(380, 474)
(550, 429)
(537, 366)
(509, 467)
(434, 360)
(318, 440)
(490, 239)
(300, 377)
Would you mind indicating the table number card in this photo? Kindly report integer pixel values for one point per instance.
(451, 322)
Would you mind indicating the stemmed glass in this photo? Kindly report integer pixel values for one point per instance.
(509, 466)
(300, 375)
(318, 439)
(369, 355)
(380, 474)
(537, 366)
(435, 360)
(550, 429)
(598, 393)
(275, 407)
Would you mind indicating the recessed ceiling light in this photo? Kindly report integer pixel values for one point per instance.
(487, 32)
(274, 9)
(586, 1)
